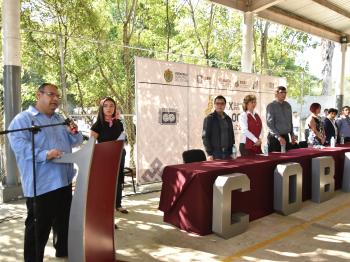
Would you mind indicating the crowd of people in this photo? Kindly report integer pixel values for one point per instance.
(283, 127)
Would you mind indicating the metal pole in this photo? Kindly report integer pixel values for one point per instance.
(301, 106)
(12, 88)
(247, 42)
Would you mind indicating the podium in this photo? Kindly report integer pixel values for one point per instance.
(91, 221)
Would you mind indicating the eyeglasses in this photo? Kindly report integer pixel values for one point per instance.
(51, 94)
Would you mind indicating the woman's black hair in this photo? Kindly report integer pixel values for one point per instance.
(100, 115)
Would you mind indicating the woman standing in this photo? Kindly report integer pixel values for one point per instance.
(316, 131)
(251, 127)
(108, 127)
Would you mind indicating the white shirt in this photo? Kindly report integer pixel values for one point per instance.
(243, 122)
(335, 128)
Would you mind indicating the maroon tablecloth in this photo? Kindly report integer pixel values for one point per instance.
(187, 191)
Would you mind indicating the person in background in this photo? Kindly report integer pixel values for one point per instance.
(325, 114)
(296, 124)
(108, 127)
(315, 126)
(53, 180)
(279, 122)
(251, 127)
(217, 135)
(343, 124)
(330, 126)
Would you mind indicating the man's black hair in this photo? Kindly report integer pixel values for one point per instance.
(332, 110)
(43, 85)
(220, 97)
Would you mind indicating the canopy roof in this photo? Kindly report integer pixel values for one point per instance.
(329, 19)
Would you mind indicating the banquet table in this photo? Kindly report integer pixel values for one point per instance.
(187, 190)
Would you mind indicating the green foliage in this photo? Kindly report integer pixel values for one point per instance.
(90, 38)
(283, 46)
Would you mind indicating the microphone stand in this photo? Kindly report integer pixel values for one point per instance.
(34, 130)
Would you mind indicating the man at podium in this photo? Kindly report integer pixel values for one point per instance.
(53, 195)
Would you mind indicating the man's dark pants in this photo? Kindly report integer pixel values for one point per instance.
(52, 210)
(274, 143)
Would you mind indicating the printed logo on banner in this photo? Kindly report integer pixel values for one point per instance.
(201, 79)
(168, 116)
(168, 75)
(243, 83)
(151, 174)
(210, 105)
(181, 77)
(255, 84)
(224, 82)
(234, 108)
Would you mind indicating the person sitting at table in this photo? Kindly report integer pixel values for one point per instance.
(314, 123)
(218, 137)
(251, 127)
(330, 126)
(343, 124)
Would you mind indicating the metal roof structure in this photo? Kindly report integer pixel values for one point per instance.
(329, 19)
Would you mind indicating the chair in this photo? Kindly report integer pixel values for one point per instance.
(193, 155)
(130, 172)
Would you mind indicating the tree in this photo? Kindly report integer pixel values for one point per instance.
(275, 52)
(60, 20)
(327, 58)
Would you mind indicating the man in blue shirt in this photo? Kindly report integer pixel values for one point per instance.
(344, 124)
(53, 180)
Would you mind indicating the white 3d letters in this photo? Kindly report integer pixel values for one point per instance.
(287, 195)
(226, 224)
(322, 178)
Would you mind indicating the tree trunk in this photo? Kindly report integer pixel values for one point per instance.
(167, 30)
(127, 61)
(263, 55)
(205, 44)
(327, 57)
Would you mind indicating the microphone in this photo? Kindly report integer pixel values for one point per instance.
(70, 123)
(72, 126)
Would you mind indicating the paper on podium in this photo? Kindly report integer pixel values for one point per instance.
(122, 137)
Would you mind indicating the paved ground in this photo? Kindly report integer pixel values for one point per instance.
(318, 232)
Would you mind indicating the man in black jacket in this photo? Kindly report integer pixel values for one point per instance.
(218, 137)
(330, 126)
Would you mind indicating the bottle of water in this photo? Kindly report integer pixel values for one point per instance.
(266, 150)
(342, 139)
(332, 141)
(234, 152)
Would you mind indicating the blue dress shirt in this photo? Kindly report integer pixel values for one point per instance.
(344, 126)
(49, 175)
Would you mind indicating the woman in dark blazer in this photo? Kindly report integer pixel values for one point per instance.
(330, 125)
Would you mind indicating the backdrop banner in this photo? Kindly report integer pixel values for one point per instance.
(172, 100)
